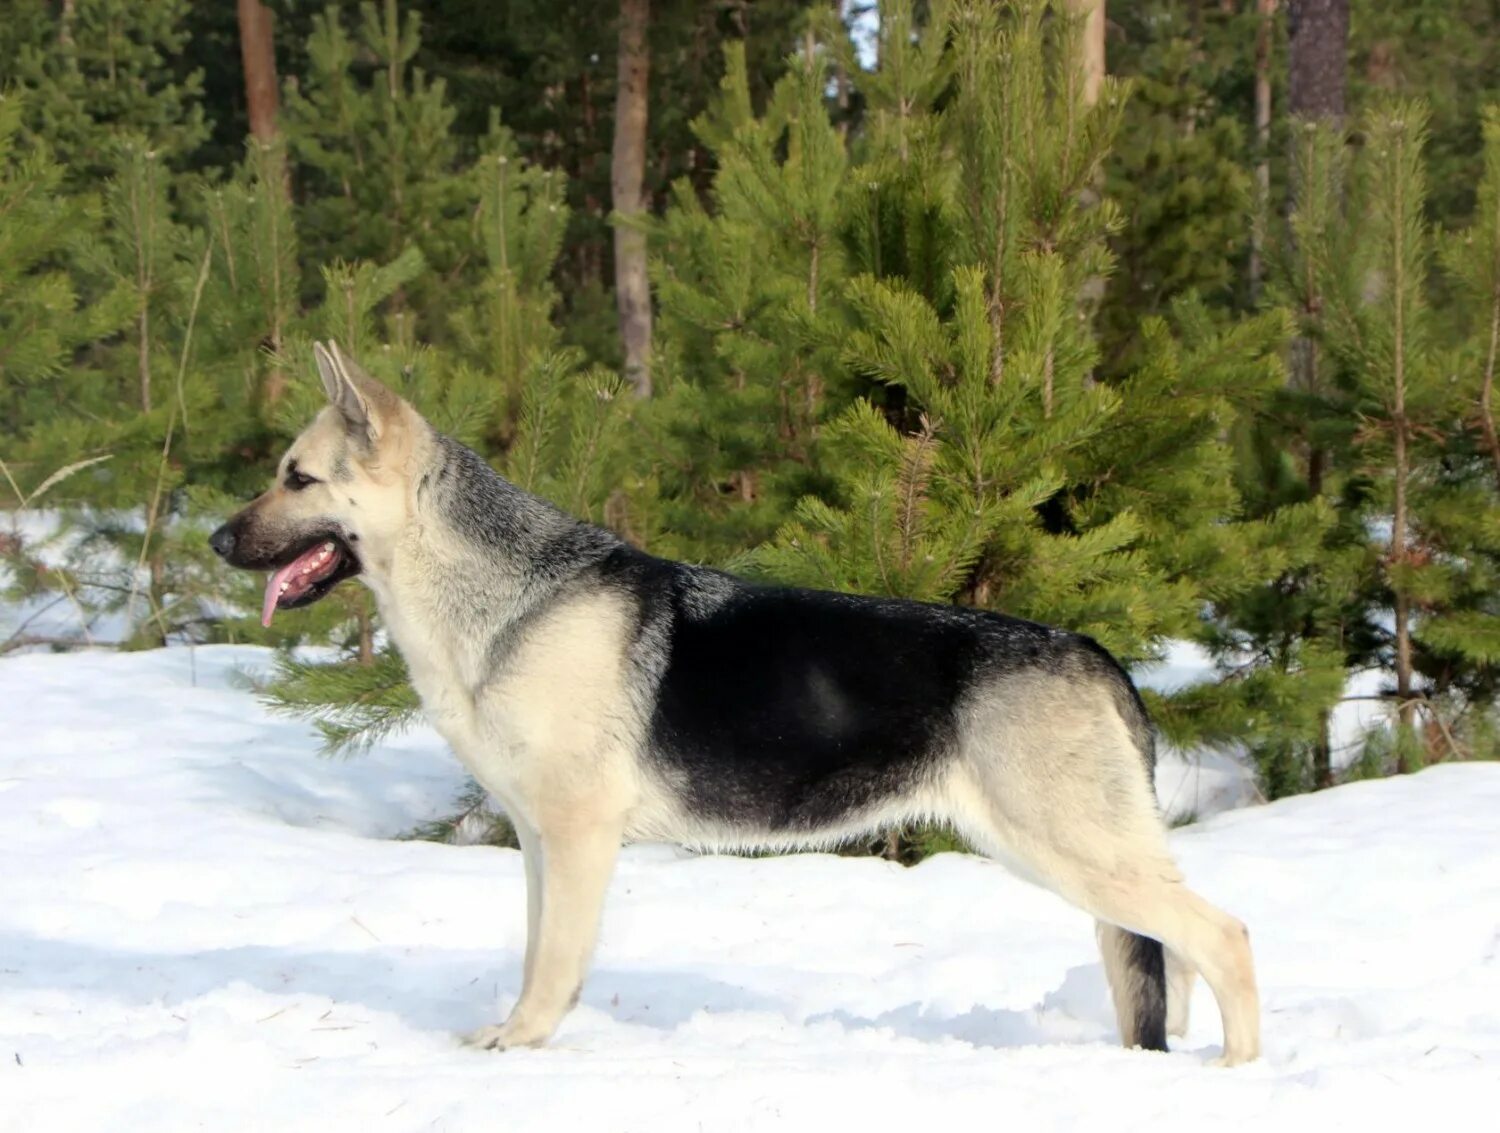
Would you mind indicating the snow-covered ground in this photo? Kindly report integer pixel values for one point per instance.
(205, 926)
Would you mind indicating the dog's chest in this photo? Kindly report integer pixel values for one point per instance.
(441, 659)
(556, 693)
(437, 675)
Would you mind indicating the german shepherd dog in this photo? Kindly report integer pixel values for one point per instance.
(601, 694)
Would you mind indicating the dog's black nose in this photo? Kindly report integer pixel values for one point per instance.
(222, 541)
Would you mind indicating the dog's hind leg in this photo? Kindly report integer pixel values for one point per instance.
(1137, 894)
(1180, 978)
(577, 859)
(1051, 779)
(1214, 942)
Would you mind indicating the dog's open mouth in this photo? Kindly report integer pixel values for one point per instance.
(325, 563)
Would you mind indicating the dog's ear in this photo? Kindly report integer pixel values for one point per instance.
(358, 397)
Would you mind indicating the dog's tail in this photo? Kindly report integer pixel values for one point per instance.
(1137, 971)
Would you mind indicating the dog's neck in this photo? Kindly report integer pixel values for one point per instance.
(485, 550)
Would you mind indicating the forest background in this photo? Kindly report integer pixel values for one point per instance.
(1171, 322)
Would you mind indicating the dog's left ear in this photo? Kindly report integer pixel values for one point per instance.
(357, 396)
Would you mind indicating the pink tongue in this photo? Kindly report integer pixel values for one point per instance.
(273, 587)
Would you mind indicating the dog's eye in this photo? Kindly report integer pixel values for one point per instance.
(296, 481)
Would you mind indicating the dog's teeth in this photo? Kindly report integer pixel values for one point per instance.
(327, 547)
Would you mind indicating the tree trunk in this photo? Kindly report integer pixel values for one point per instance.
(1263, 36)
(1323, 753)
(627, 174)
(158, 599)
(841, 81)
(258, 53)
(1092, 45)
(1318, 40)
(1091, 62)
(1400, 518)
(1318, 44)
(1407, 706)
(1492, 355)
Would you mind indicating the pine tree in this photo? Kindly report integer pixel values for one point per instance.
(748, 296)
(522, 218)
(1439, 565)
(42, 318)
(1458, 637)
(43, 324)
(107, 67)
(130, 407)
(1386, 342)
(205, 275)
(1312, 622)
(1179, 171)
(1376, 427)
(255, 288)
(376, 156)
(1473, 260)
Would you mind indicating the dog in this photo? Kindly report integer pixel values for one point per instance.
(604, 695)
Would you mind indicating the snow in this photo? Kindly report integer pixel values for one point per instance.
(204, 925)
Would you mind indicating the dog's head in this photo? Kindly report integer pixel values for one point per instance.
(341, 494)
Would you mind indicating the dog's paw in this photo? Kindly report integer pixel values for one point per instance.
(503, 1037)
(1229, 1062)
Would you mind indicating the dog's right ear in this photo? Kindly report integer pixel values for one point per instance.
(344, 393)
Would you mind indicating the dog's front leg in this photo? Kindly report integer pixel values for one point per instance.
(531, 854)
(577, 860)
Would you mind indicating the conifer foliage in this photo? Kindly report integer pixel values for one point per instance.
(1420, 396)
